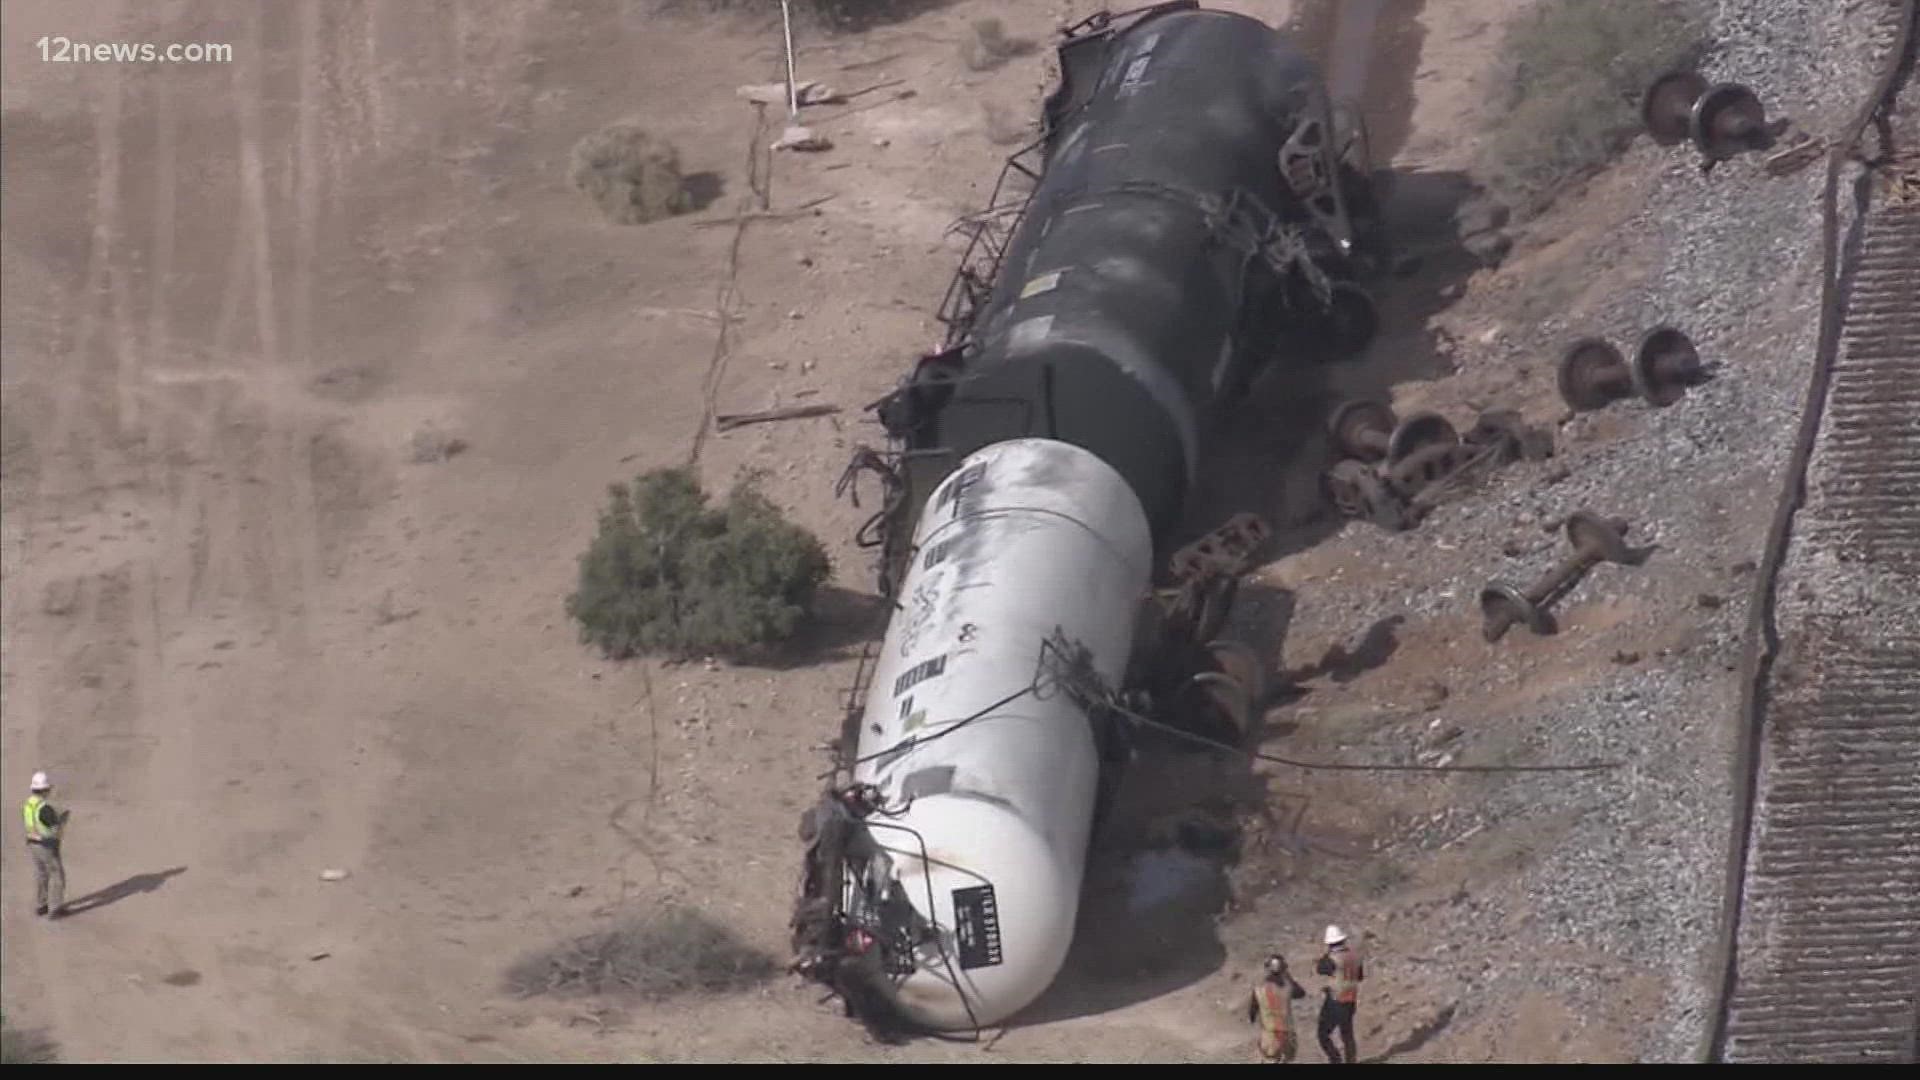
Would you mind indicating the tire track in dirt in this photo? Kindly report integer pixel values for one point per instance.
(243, 530)
(88, 644)
(307, 204)
(253, 197)
(165, 235)
(134, 622)
(125, 344)
(312, 725)
(206, 507)
(283, 558)
(298, 435)
(377, 110)
(192, 405)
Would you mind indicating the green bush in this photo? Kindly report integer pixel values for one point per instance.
(670, 574)
(1571, 74)
(659, 955)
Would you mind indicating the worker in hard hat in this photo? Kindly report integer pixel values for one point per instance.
(1342, 966)
(1272, 1009)
(44, 823)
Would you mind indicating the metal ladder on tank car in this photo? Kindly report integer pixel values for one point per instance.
(992, 230)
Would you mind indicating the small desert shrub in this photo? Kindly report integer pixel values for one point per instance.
(668, 573)
(989, 46)
(430, 444)
(659, 955)
(1571, 74)
(631, 176)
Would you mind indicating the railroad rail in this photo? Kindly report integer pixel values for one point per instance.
(1821, 937)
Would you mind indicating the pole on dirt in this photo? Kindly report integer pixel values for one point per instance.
(793, 95)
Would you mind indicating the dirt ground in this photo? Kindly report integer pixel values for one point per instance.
(254, 638)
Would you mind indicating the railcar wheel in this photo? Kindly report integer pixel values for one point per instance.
(1240, 663)
(1590, 375)
(1667, 108)
(1213, 702)
(1665, 365)
(1357, 423)
(1728, 119)
(1416, 432)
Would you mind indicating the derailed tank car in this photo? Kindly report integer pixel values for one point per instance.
(1190, 226)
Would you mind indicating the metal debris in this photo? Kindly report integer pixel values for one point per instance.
(1207, 683)
(1594, 539)
(802, 138)
(1394, 471)
(729, 421)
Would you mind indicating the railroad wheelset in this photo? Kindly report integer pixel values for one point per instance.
(1594, 374)
(1721, 120)
(1392, 471)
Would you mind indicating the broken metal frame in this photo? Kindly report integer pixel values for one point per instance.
(991, 232)
(1102, 23)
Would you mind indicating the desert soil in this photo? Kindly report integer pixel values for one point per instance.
(256, 636)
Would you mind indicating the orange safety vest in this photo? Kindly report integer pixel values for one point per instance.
(1347, 973)
(1276, 1018)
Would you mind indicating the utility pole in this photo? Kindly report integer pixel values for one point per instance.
(793, 95)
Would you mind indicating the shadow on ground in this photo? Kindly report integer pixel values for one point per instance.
(702, 189)
(1375, 647)
(838, 623)
(120, 890)
(1417, 1038)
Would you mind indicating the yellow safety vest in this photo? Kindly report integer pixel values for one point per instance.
(36, 831)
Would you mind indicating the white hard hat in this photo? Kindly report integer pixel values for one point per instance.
(40, 782)
(1335, 935)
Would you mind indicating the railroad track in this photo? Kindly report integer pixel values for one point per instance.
(1822, 943)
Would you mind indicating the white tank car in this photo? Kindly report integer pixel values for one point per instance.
(1025, 537)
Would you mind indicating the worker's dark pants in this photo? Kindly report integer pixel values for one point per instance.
(50, 880)
(1335, 1015)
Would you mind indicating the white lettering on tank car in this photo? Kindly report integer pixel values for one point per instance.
(1137, 68)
